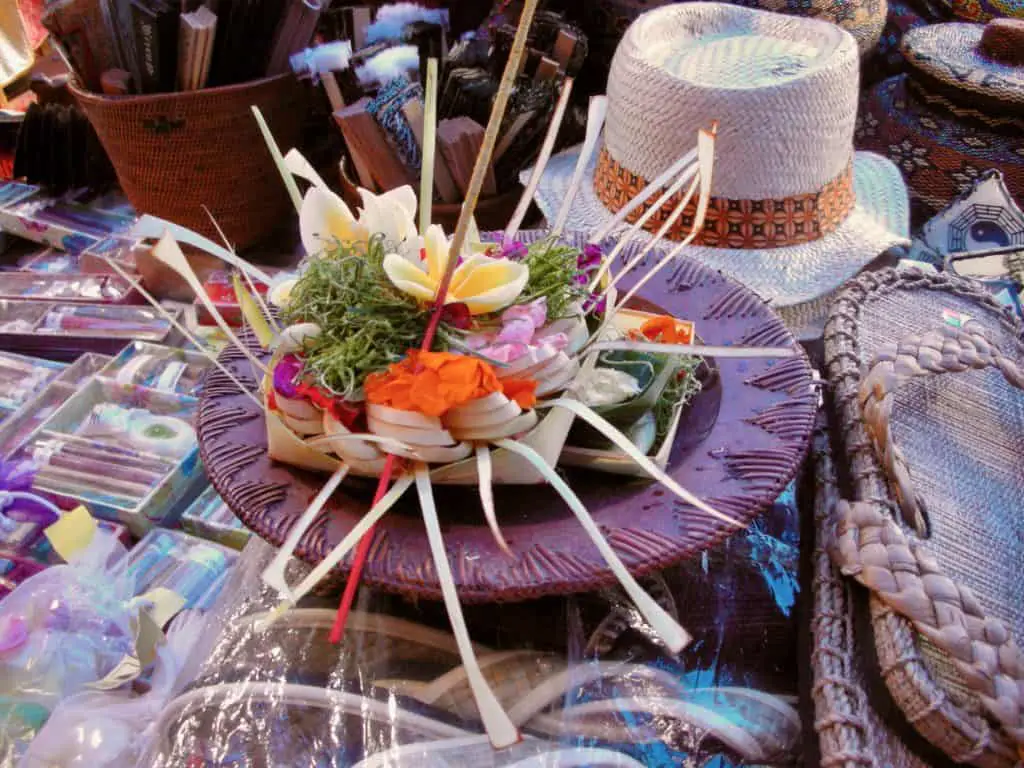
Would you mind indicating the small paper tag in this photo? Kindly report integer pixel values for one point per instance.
(162, 604)
(159, 606)
(72, 533)
(955, 319)
(126, 670)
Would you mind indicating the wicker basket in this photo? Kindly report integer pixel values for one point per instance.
(175, 153)
(935, 468)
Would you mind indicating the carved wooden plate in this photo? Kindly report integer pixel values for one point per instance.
(739, 444)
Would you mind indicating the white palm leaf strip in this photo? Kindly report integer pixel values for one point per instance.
(577, 757)
(542, 160)
(168, 253)
(707, 350)
(273, 575)
(688, 173)
(198, 344)
(625, 445)
(245, 275)
(485, 475)
(674, 636)
(667, 175)
(152, 227)
(367, 521)
(706, 161)
(275, 153)
(429, 149)
(496, 722)
(737, 737)
(389, 444)
(597, 111)
(298, 165)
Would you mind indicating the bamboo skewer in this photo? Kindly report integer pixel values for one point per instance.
(483, 160)
(542, 160)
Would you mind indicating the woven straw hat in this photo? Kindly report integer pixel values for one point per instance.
(794, 210)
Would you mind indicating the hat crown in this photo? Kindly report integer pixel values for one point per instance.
(784, 91)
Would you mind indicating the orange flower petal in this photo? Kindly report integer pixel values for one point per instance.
(523, 391)
(431, 382)
(665, 329)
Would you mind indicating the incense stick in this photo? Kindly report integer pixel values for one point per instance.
(462, 228)
(483, 160)
(542, 161)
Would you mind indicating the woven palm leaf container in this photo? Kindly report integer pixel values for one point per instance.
(175, 153)
(918, 560)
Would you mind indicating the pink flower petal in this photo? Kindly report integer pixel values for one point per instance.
(536, 311)
(517, 330)
(557, 340)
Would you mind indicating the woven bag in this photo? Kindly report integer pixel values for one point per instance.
(931, 528)
(175, 153)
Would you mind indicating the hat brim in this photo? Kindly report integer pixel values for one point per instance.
(784, 276)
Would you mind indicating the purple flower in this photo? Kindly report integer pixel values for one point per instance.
(590, 258)
(593, 304)
(513, 250)
(17, 477)
(286, 373)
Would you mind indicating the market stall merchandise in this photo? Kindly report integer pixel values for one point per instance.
(468, 463)
(795, 211)
(943, 453)
(956, 113)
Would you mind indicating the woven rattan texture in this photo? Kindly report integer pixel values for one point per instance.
(961, 437)
(850, 733)
(802, 125)
(175, 153)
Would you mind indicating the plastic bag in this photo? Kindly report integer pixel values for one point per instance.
(582, 678)
(103, 728)
(62, 631)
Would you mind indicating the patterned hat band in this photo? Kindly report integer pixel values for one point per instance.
(744, 224)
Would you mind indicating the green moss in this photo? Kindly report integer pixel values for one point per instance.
(366, 323)
(553, 274)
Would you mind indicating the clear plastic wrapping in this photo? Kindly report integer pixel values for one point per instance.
(61, 631)
(581, 676)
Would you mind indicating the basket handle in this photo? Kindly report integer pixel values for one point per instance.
(946, 350)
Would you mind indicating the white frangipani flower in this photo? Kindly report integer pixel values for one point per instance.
(483, 284)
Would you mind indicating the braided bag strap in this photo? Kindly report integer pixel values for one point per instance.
(948, 350)
(873, 549)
